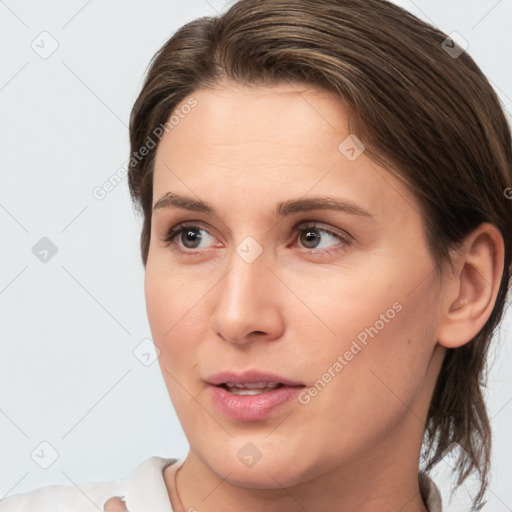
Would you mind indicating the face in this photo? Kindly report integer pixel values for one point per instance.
(289, 289)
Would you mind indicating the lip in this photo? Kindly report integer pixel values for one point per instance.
(251, 407)
(250, 377)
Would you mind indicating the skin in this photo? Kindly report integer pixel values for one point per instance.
(294, 309)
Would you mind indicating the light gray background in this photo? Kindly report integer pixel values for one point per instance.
(72, 370)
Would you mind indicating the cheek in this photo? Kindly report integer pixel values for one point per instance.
(384, 379)
(348, 308)
(379, 348)
(168, 320)
(164, 313)
(169, 297)
(177, 322)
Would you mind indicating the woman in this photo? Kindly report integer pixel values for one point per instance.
(327, 245)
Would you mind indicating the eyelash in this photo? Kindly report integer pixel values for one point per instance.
(177, 230)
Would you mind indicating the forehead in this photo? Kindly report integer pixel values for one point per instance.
(237, 114)
(279, 141)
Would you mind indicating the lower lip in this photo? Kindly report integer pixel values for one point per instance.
(252, 407)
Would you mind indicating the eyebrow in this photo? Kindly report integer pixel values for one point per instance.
(173, 200)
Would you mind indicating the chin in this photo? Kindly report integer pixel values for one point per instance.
(262, 476)
(245, 465)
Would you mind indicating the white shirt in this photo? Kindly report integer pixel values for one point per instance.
(143, 491)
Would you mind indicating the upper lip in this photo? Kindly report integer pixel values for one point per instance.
(250, 377)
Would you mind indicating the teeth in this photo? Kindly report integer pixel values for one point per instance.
(247, 391)
(252, 385)
(250, 388)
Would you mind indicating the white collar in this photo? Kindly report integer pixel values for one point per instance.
(145, 487)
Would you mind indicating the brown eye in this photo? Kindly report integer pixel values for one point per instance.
(315, 237)
(310, 238)
(190, 237)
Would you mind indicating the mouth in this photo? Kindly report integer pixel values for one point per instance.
(251, 382)
(251, 395)
(256, 388)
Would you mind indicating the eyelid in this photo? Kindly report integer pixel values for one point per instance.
(340, 233)
(175, 231)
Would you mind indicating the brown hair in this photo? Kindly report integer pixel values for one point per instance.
(428, 115)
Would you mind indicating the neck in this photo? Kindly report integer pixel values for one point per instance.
(361, 485)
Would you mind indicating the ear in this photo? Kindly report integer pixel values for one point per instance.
(471, 289)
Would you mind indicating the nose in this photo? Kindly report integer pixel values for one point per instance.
(248, 305)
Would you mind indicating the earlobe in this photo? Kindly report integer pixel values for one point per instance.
(472, 288)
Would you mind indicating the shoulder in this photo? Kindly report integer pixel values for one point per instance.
(89, 497)
(63, 498)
